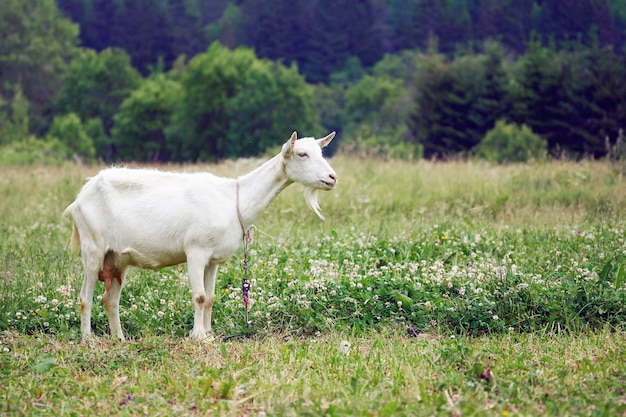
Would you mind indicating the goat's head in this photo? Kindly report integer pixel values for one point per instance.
(304, 163)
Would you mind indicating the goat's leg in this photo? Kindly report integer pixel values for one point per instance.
(196, 266)
(210, 272)
(86, 299)
(111, 300)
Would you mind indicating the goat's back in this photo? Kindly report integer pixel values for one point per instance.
(155, 215)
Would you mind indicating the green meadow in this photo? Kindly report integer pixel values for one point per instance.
(462, 288)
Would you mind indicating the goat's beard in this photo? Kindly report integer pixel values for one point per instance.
(310, 196)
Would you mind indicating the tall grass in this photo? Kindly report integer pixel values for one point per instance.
(459, 247)
(515, 275)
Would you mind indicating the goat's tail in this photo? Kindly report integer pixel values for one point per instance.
(75, 239)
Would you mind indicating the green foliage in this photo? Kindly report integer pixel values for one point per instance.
(377, 107)
(540, 96)
(14, 118)
(199, 122)
(4, 124)
(139, 130)
(511, 143)
(227, 30)
(95, 86)
(330, 102)
(403, 65)
(17, 145)
(33, 151)
(274, 100)
(95, 130)
(458, 102)
(556, 67)
(390, 144)
(69, 131)
(376, 102)
(309, 33)
(36, 43)
(234, 104)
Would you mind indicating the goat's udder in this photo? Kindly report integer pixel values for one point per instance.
(109, 271)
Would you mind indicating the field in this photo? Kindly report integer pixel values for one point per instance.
(514, 276)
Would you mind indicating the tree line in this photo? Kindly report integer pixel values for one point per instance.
(309, 32)
(172, 89)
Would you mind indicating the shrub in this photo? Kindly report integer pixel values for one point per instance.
(139, 130)
(33, 151)
(390, 144)
(69, 130)
(511, 143)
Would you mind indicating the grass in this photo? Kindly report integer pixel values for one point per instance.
(384, 373)
(514, 274)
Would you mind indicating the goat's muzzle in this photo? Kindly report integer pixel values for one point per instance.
(330, 182)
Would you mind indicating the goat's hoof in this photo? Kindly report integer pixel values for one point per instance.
(201, 336)
(197, 335)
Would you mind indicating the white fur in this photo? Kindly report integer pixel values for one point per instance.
(151, 219)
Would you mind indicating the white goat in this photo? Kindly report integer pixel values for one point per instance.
(151, 219)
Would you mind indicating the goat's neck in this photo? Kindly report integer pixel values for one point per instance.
(258, 188)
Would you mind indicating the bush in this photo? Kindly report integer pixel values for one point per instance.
(33, 151)
(511, 143)
(234, 104)
(390, 144)
(69, 130)
(139, 130)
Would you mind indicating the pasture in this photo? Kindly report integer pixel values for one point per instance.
(515, 276)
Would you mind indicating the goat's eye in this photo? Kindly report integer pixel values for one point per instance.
(303, 154)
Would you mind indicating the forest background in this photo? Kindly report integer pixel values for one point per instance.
(194, 80)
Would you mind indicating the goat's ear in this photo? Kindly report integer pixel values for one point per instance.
(288, 147)
(326, 140)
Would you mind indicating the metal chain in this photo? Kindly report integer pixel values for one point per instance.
(245, 282)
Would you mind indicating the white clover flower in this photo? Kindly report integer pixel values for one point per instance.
(65, 290)
(344, 347)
